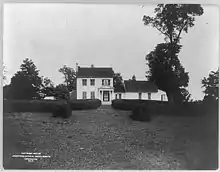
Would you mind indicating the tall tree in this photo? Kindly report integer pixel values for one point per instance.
(171, 20)
(61, 92)
(69, 77)
(22, 88)
(211, 85)
(166, 72)
(47, 87)
(26, 83)
(117, 79)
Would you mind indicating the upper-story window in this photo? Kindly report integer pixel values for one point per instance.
(106, 82)
(92, 81)
(84, 82)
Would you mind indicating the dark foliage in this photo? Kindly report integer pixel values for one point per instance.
(62, 110)
(58, 108)
(173, 19)
(61, 92)
(211, 85)
(166, 70)
(26, 83)
(85, 104)
(69, 77)
(124, 104)
(165, 108)
(141, 113)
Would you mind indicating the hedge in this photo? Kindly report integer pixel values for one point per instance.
(160, 107)
(130, 104)
(141, 113)
(53, 106)
(48, 105)
(85, 104)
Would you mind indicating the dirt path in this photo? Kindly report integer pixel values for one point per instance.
(104, 139)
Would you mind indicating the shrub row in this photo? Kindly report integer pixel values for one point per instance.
(159, 107)
(57, 107)
(85, 104)
(130, 104)
(141, 113)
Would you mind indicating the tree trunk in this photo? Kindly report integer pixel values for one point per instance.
(170, 97)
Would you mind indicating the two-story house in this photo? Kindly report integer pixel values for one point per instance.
(95, 83)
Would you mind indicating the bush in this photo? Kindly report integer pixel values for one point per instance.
(85, 104)
(141, 113)
(160, 107)
(62, 110)
(53, 106)
(129, 105)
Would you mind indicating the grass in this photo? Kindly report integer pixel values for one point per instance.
(108, 139)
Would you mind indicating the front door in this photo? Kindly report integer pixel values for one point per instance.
(105, 96)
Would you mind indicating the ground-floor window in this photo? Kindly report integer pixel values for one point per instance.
(119, 96)
(84, 96)
(116, 96)
(149, 96)
(139, 95)
(92, 95)
(162, 97)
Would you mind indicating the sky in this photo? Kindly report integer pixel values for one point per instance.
(105, 35)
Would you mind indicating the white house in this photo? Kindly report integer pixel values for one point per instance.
(95, 83)
(145, 90)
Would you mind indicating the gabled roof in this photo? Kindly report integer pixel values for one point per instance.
(119, 89)
(140, 86)
(95, 72)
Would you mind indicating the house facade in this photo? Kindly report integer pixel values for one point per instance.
(95, 83)
(144, 90)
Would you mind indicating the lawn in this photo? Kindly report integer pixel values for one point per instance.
(108, 139)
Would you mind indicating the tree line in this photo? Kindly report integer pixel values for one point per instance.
(165, 69)
(27, 84)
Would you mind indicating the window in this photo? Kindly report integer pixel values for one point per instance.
(106, 82)
(92, 81)
(84, 82)
(92, 95)
(163, 97)
(84, 95)
(119, 96)
(149, 96)
(139, 95)
(116, 96)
